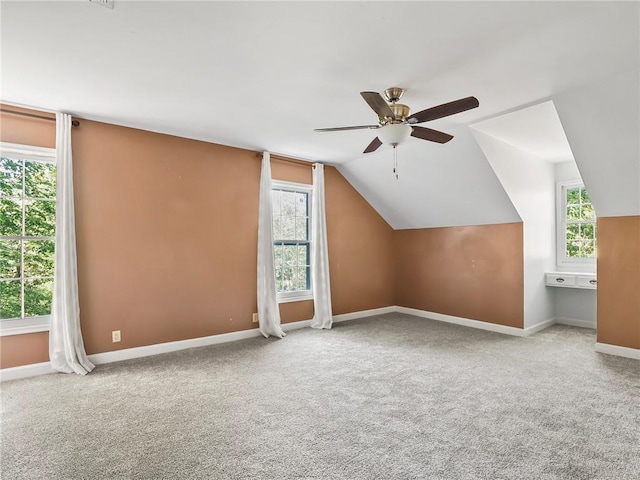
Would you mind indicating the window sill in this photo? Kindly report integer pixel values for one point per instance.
(24, 326)
(296, 298)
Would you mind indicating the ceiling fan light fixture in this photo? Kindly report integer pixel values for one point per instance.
(394, 134)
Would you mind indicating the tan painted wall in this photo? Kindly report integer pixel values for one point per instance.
(360, 249)
(167, 232)
(618, 291)
(471, 272)
(26, 130)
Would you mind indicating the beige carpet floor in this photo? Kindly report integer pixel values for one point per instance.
(388, 397)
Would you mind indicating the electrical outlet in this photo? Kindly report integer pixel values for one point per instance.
(255, 318)
(115, 336)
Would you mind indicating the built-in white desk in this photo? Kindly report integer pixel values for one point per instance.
(571, 280)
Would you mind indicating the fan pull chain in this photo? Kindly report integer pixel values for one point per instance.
(395, 161)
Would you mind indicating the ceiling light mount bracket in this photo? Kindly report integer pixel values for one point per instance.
(393, 94)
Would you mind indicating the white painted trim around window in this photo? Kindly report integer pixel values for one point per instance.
(19, 326)
(28, 152)
(301, 295)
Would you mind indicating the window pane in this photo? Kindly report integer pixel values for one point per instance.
(301, 229)
(303, 255)
(573, 195)
(37, 297)
(277, 254)
(587, 212)
(277, 228)
(573, 248)
(573, 213)
(9, 258)
(288, 203)
(289, 255)
(10, 217)
(275, 202)
(588, 248)
(38, 258)
(10, 299)
(573, 231)
(301, 278)
(587, 231)
(301, 205)
(39, 180)
(584, 196)
(287, 280)
(278, 278)
(40, 220)
(10, 177)
(288, 228)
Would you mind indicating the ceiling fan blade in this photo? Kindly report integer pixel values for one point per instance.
(431, 135)
(355, 127)
(373, 146)
(377, 103)
(444, 110)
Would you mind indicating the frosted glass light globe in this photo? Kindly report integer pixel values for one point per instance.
(394, 134)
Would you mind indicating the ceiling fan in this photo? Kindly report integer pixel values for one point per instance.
(396, 123)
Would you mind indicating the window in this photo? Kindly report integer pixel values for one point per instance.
(576, 225)
(291, 246)
(27, 236)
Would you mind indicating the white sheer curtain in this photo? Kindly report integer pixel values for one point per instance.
(66, 349)
(320, 254)
(268, 311)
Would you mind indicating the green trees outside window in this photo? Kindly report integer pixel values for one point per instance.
(580, 224)
(291, 249)
(27, 237)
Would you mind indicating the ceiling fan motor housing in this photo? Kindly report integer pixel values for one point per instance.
(400, 112)
(393, 94)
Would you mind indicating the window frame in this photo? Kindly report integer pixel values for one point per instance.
(298, 295)
(40, 323)
(580, 263)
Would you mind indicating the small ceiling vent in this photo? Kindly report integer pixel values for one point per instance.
(104, 3)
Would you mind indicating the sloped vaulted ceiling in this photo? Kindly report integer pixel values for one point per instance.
(263, 75)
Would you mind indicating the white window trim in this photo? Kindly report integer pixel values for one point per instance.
(28, 152)
(19, 326)
(563, 262)
(301, 295)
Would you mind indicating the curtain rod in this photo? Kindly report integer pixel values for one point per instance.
(289, 160)
(75, 123)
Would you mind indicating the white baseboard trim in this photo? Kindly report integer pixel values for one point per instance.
(574, 322)
(538, 327)
(158, 348)
(618, 351)
(343, 317)
(24, 371)
(295, 325)
(466, 322)
(36, 369)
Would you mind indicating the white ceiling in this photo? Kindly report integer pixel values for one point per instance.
(536, 130)
(263, 75)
